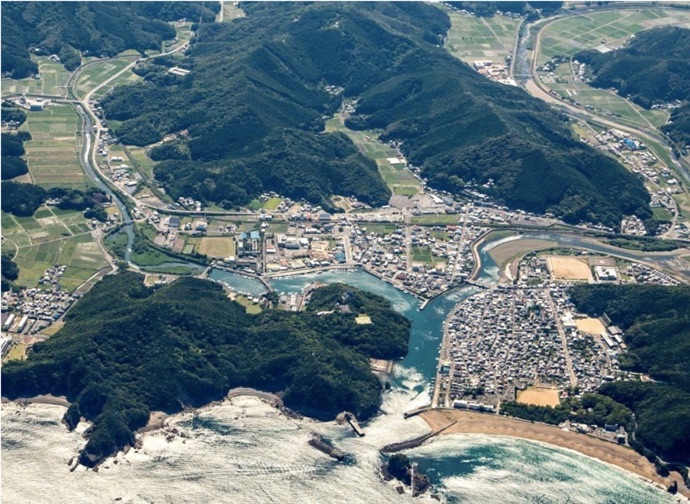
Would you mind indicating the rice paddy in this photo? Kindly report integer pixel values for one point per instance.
(53, 151)
(473, 38)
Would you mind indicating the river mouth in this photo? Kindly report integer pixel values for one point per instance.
(244, 450)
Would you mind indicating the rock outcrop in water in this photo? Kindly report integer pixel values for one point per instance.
(400, 468)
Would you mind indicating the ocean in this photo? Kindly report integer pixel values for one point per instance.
(244, 450)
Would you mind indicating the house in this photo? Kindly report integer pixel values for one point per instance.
(174, 222)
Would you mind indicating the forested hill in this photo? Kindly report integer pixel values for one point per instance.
(94, 28)
(126, 350)
(252, 112)
(656, 321)
(653, 68)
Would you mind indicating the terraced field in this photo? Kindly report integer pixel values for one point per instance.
(400, 180)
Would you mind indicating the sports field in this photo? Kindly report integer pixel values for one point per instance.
(52, 236)
(605, 31)
(217, 246)
(435, 219)
(53, 151)
(539, 396)
(398, 178)
(99, 72)
(52, 81)
(568, 268)
(473, 38)
(590, 326)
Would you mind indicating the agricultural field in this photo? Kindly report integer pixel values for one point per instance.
(272, 203)
(52, 236)
(399, 179)
(100, 71)
(605, 31)
(53, 80)
(141, 161)
(602, 100)
(473, 38)
(422, 254)
(53, 152)
(249, 306)
(379, 229)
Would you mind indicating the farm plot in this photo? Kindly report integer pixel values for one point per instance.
(51, 236)
(603, 100)
(81, 254)
(141, 161)
(604, 31)
(393, 172)
(99, 72)
(52, 80)
(53, 151)
(473, 38)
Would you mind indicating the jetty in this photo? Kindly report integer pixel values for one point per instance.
(354, 424)
(320, 444)
(416, 411)
(415, 442)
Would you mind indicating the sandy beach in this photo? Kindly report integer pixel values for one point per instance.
(479, 423)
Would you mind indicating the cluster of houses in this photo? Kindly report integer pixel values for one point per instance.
(30, 310)
(503, 340)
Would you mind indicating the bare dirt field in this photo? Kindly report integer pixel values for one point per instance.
(568, 268)
(590, 326)
(539, 396)
(220, 247)
(504, 252)
(479, 423)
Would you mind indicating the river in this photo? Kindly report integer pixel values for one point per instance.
(244, 450)
(87, 134)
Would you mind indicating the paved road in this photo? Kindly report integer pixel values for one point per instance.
(536, 89)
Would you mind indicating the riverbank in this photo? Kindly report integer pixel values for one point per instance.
(478, 423)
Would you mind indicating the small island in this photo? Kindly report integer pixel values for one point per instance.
(127, 350)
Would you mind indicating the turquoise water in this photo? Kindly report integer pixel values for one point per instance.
(477, 468)
(242, 284)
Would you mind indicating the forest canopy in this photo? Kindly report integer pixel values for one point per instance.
(127, 349)
(253, 116)
(653, 68)
(656, 321)
(90, 28)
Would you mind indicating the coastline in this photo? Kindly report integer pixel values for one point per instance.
(493, 425)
